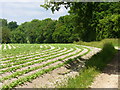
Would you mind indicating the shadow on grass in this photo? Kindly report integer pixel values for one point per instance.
(99, 61)
(114, 66)
(88, 69)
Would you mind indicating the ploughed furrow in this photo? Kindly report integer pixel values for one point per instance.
(4, 47)
(20, 56)
(30, 60)
(49, 48)
(16, 73)
(33, 72)
(38, 60)
(34, 61)
(30, 63)
(31, 56)
(29, 67)
(40, 66)
(15, 48)
(7, 46)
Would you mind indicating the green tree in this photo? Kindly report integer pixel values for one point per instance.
(87, 15)
(65, 30)
(19, 34)
(3, 22)
(5, 34)
(108, 27)
(12, 25)
(48, 30)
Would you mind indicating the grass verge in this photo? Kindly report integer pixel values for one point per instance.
(93, 67)
(100, 44)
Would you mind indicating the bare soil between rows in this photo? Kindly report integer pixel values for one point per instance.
(59, 75)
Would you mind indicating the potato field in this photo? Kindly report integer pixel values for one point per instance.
(21, 63)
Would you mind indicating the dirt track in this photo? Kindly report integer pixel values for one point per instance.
(110, 75)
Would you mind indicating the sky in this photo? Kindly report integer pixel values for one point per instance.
(26, 10)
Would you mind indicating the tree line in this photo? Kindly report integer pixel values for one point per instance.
(38, 31)
(86, 22)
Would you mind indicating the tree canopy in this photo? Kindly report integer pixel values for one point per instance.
(89, 16)
(88, 21)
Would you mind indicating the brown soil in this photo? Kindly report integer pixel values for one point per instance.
(59, 75)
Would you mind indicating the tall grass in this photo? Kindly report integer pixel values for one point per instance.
(93, 67)
(100, 44)
(100, 60)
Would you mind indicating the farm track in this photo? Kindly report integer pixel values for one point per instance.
(109, 77)
(17, 70)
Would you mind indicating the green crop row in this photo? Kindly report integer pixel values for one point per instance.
(22, 62)
(20, 56)
(40, 54)
(34, 68)
(37, 74)
(24, 65)
(24, 49)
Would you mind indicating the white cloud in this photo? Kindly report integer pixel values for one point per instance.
(26, 11)
(1, 10)
(61, 11)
